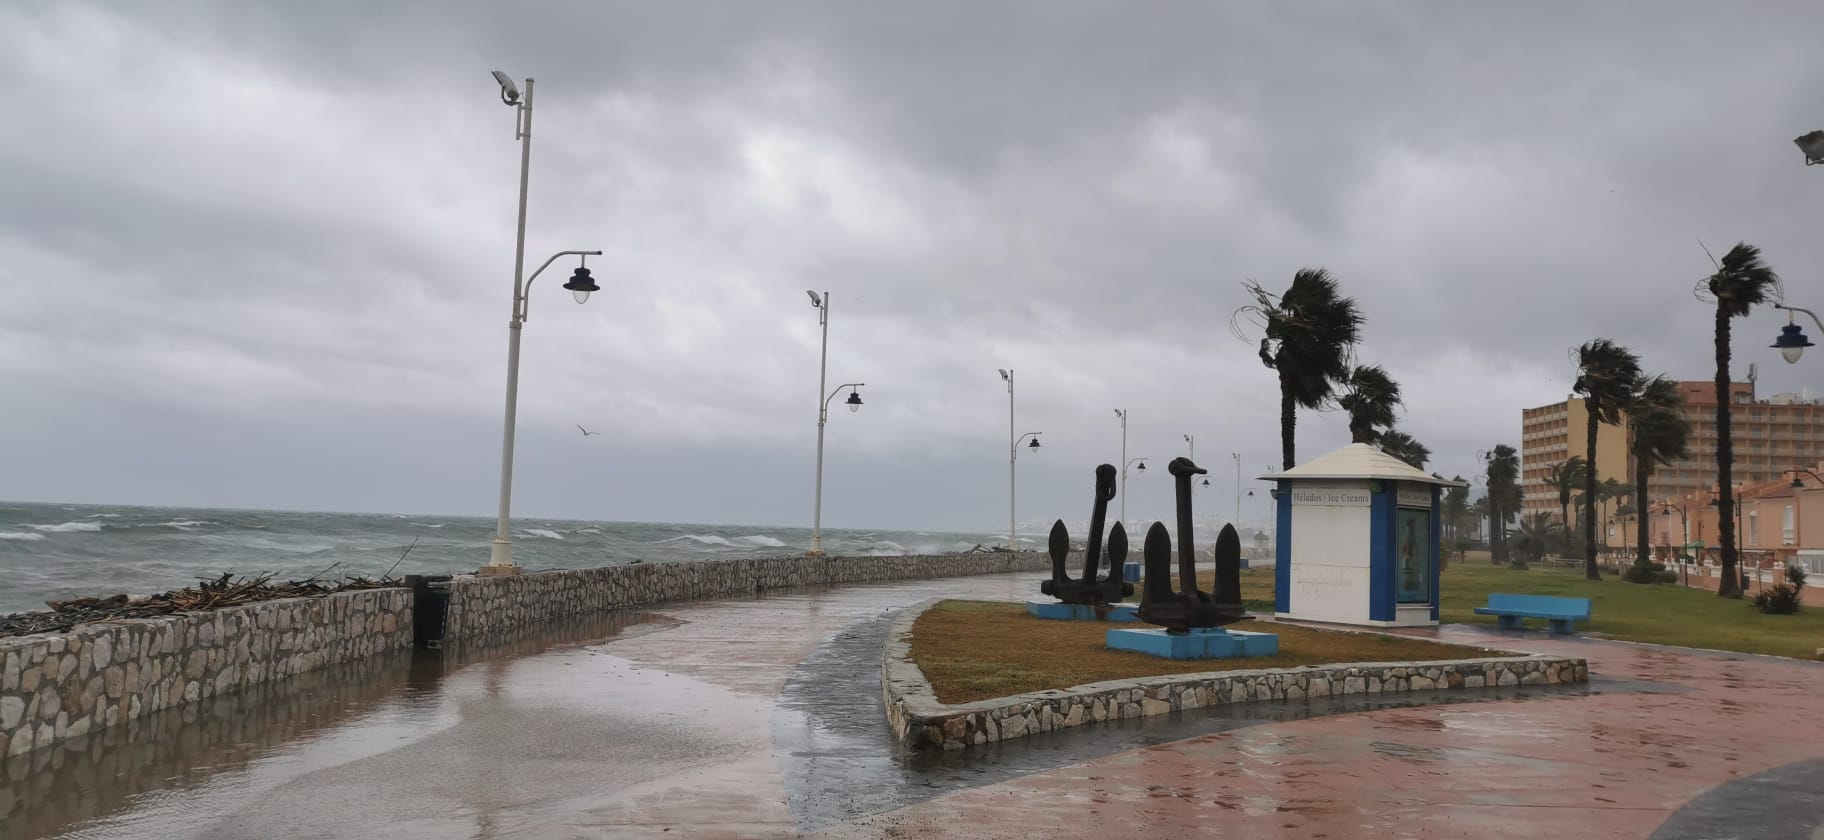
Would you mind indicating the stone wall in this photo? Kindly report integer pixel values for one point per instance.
(499, 607)
(920, 721)
(65, 685)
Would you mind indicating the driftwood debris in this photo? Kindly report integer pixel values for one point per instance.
(207, 594)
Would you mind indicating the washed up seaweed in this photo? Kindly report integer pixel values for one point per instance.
(207, 594)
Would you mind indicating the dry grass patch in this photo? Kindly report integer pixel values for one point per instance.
(977, 650)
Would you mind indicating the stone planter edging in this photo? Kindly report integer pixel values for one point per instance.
(920, 721)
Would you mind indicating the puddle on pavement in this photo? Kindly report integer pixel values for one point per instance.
(97, 783)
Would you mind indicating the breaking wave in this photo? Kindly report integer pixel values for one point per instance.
(545, 533)
(67, 527)
(20, 535)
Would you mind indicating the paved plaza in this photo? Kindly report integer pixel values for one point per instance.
(761, 718)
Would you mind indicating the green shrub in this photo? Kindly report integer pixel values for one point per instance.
(1668, 576)
(1785, 598)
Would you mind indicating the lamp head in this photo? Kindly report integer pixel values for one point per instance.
(1142, 466)
(509, 92)
(1034, 444)
(1120, 413)
(1812, 144)
(1005, 377)
(815, 300)
(1791, 343)
(581, 284)
(854, 401)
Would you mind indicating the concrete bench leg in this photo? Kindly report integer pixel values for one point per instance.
(1561, 625)
(1507, 622)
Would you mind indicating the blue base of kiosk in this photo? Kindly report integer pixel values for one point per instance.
(1081, 612)
(1210, 643)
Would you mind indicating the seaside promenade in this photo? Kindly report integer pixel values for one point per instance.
(761, 717)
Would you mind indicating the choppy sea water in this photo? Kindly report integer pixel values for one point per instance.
(51, 551)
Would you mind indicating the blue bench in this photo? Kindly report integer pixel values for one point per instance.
(1558, 612)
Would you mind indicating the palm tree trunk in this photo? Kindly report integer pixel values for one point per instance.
(1642, 471)
(1725, 461)
(1288, 425)
(1589, 498)
(1497, 534)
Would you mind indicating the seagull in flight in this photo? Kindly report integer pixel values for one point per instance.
(585, 432)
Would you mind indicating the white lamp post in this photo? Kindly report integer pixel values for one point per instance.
(1237, 457)
(823, 414)
(1013, 456)
(500, 557)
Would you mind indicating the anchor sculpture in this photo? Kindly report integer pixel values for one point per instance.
(1179, 612)
(1092, 589)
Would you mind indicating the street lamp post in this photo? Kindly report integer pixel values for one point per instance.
(822, 303)
(1013, 455)
(500, 555)
(1122, 413)
(1666, 508)
(1237, 457)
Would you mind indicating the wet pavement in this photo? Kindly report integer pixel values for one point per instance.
(761, 718)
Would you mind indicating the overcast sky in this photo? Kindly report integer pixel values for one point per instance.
(260, 254)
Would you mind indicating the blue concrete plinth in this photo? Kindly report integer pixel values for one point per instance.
(1214, 643)
(1081, 612)
(1130, 572)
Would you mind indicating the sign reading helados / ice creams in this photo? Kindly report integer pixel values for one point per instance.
(1324, 495)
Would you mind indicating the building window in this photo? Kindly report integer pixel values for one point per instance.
(1754, 526)
(1786, 535)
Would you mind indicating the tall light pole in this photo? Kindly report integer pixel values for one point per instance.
(1121, 413)
(500, 555)
(1013, 455)
(823, 414)
(1237, 457)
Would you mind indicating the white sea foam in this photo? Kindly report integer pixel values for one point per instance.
(541, 532)
(180, 524)
(763, 541)
(20, 535)
(705, 539)
(67, 527)
(102, 516)
(428, 524)
(589, 530)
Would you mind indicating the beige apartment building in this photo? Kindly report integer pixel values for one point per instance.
(1772, 436)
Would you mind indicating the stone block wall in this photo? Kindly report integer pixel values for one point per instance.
(920, 721)
(56, 686)
(499, 607)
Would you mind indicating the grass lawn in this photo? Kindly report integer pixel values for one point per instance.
(976, 650)
(1666, 614)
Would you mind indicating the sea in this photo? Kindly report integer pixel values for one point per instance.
(59, 551)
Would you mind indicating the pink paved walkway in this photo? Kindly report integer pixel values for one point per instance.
(1611, 765)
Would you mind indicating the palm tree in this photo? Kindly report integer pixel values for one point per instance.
(1741, 281)
(1534, 534)
(1503, 496)
(1404, 447)
(1371, 397)
(1565, 477)
(1606, 373)
(1658, 429)
(1309, 332)
(1478, 510)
